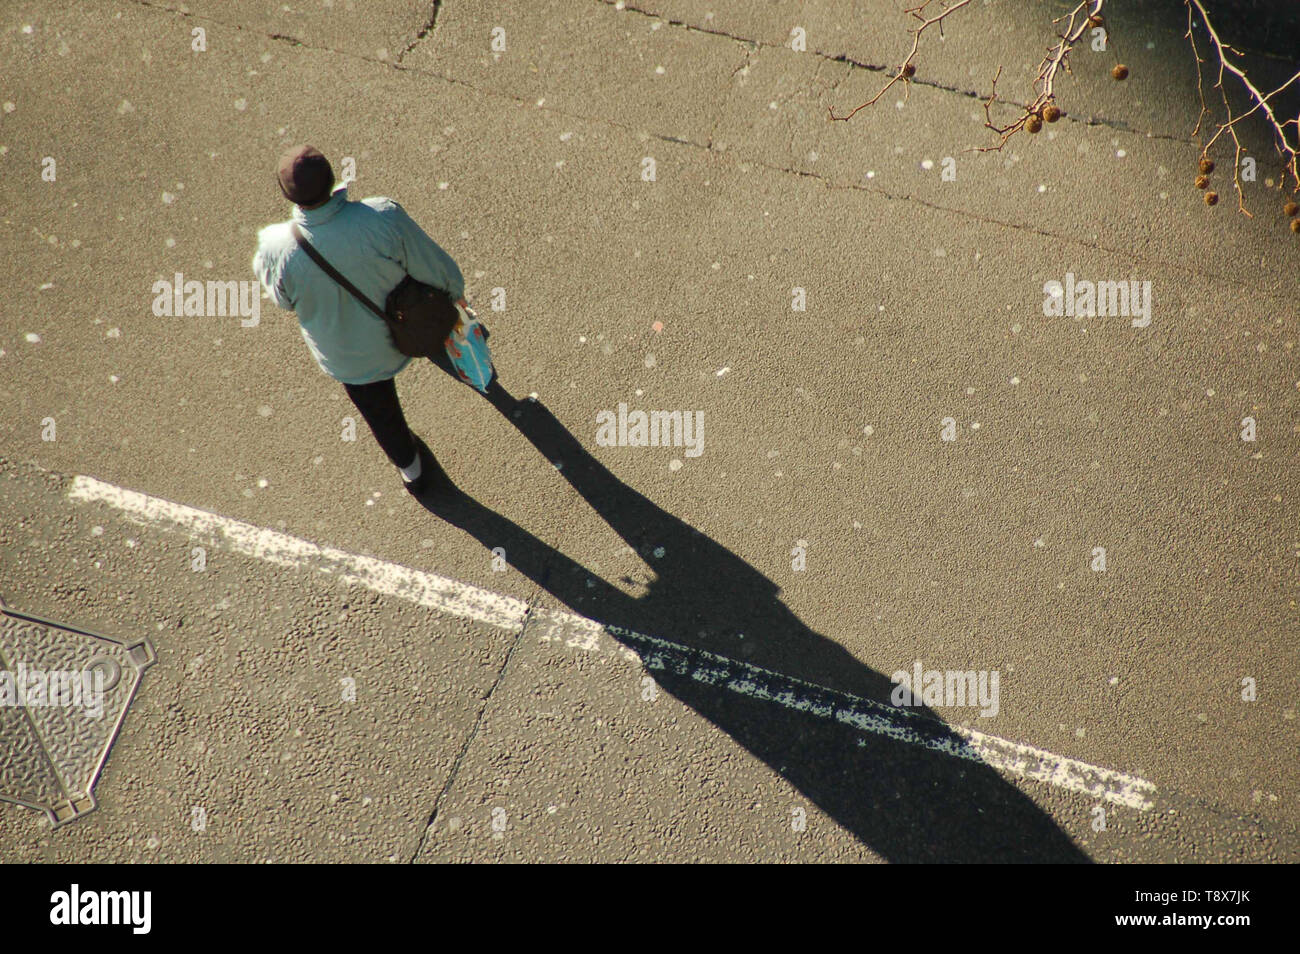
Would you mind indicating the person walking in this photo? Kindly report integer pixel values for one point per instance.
(373, 243)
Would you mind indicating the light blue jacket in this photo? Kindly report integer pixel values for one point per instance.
(373, 243)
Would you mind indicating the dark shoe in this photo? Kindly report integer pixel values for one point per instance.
(433, 480)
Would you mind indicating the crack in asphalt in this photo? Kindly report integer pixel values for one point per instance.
(425, 31)
(741, 68)
(1174, 799)
(473, 733)
(708, 147)
(853, 64)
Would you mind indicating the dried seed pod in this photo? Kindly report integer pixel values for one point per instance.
(1202, 182)
(909, 69)
(1211, 198)
(1120, 71)
(1291, 209)
(1052, 113)
(1033, 124)
(1206, 165)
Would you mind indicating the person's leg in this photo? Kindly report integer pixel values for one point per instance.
(421, 473)
(379, 406)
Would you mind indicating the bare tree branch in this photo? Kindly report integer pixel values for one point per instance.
(1086, 15)
(1287, 151)
(908, 68)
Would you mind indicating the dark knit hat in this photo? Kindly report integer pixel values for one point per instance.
(305, 175)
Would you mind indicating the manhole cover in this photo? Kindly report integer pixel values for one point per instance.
(64, 693)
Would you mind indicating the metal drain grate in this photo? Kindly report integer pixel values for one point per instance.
(64, 693)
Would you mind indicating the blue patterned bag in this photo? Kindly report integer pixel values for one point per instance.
(467, 348)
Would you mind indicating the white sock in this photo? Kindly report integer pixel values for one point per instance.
(413, 471)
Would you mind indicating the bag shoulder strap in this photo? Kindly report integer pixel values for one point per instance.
(332, 272)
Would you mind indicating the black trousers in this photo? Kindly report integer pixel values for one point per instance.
(380, 407)
(382, 410)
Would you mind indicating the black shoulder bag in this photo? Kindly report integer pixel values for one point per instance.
(419, 317)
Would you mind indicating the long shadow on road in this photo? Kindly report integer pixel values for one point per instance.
(906, 803)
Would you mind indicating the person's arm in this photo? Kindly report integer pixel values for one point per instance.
(264, 267)
(425, 260)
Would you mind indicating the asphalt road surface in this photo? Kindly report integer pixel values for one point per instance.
(658, 653)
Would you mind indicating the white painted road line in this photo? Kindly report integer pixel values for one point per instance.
(578, 632)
